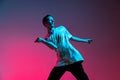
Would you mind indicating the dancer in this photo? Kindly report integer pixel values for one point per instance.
(68, 58)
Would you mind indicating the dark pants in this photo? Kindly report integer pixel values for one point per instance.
(76, 69)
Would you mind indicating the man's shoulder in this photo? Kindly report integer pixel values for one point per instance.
(61, 27)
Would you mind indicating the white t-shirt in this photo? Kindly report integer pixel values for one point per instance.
(66, 53)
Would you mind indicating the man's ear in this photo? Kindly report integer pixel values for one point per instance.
(45, 24)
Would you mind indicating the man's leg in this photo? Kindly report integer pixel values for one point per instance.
(56, 73)
(77, 70)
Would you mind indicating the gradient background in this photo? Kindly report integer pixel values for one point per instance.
(20, 25)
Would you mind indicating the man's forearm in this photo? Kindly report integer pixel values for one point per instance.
(48, 43)
(79, 39)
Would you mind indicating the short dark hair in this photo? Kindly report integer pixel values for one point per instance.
(45, 18)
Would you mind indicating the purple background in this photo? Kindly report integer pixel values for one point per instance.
(20, 25)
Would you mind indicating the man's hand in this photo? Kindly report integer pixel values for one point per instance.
(89, 40)
(39, 40)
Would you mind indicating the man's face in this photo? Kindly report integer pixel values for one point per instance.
(49, 22)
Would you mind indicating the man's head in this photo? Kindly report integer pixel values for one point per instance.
(48, 21)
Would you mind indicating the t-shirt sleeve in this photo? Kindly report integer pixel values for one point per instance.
(68, 33)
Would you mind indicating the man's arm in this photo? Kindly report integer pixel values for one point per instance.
(81, 39)
(46, 42)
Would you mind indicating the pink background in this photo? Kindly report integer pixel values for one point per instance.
(20, 25)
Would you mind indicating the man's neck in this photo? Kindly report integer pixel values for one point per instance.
(50, 30)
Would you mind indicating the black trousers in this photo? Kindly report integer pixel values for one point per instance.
(76, 69)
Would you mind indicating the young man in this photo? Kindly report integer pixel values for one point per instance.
(68, 58)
